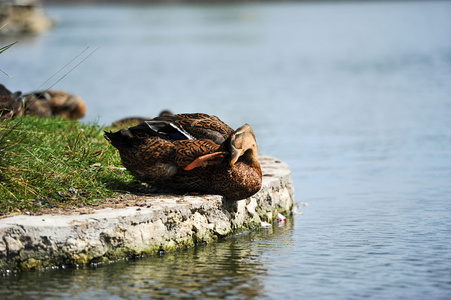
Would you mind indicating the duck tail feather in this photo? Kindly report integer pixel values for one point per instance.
(120, 139)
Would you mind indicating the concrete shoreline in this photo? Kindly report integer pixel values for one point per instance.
(167, 223)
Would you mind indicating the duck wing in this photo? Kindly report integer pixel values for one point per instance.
(191, 127)
(167, 129)
(205, 126)
(191, 154)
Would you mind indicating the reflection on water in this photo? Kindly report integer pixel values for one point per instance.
(230, 268)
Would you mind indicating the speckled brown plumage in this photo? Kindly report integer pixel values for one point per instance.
(191, 153)
(10, 103)
(42, 104)
(55, 103)
(133, 121)
(236, 182)
(199, 126)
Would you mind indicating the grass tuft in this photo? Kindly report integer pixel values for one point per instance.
(54, 162)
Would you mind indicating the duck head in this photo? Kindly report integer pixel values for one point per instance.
(243, 144)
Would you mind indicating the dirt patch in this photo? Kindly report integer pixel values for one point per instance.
(130, 200)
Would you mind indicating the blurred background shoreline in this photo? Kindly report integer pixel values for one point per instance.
(353, 95)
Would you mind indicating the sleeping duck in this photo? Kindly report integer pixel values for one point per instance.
(55, 103)
(191, 153)
(42, 104)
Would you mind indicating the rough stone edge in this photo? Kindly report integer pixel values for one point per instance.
(166, 224)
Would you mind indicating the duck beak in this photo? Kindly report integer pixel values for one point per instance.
(235, 155)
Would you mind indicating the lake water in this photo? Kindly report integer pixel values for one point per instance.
(354, 96)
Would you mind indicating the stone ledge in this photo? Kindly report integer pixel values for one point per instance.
(167, 223)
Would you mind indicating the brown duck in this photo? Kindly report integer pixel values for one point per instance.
(55, 103)
(42, 104)
(191, 153)
(133, 121)
(11, 104)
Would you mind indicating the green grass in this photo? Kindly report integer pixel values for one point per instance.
(53, 162)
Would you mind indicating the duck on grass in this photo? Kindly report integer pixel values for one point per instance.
(191, 153)
(53, 164)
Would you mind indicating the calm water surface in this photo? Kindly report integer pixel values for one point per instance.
(354, 96)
